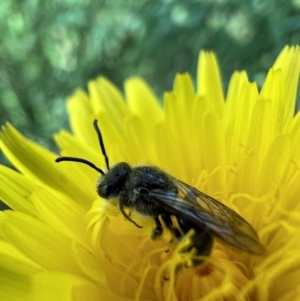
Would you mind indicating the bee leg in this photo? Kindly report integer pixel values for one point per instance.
(122, 199)
(158, 230)
(202, 240)
(169, 224)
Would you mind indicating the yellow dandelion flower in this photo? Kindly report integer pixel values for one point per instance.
(62, 241)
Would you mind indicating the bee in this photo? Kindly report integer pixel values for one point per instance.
(181, 207)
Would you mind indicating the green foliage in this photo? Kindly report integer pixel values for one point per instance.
(50, 48)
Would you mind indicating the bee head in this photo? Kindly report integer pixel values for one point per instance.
(110, 184)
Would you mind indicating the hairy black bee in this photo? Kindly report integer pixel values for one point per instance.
(150, 191)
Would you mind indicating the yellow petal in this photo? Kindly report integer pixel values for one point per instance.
(79, 108)
(52, 286)
(214, 151)
(15, 262)
(89, 265)
(29, 157)
(106, 97)
(209, 81)
(39, 242)
(15, 190)
(61, 213)
(142, 102)
(289, 62)
(14, 286)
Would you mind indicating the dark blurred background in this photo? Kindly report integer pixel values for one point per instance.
(50, 48)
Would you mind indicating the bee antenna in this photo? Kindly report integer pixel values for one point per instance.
(80, 160)
(100, 139)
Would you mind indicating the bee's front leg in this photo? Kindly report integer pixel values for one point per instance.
(123, 199)
(158, 230)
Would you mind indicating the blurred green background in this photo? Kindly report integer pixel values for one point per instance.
(50, 48)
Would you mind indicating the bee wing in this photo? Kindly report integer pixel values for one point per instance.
(206, 212)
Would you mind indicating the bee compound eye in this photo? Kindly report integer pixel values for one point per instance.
(105, 190)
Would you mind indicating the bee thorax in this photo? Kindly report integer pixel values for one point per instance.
(137, 199)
